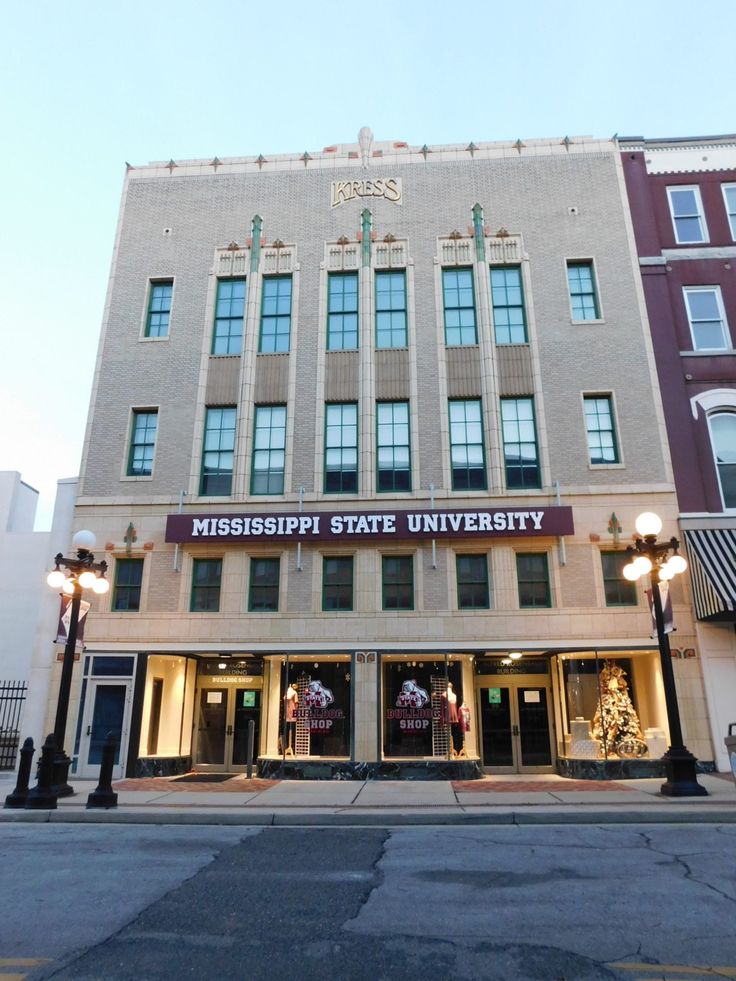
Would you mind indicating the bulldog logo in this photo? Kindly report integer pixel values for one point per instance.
(317, 696)
(412, 696)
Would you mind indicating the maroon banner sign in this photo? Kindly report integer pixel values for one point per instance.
(343, 526)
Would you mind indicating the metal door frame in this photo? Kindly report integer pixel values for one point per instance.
(514, 683)
(90, 771)
(227, 766)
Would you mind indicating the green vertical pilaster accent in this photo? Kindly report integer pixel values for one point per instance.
(366, 225)
(480, 247)
(255, 249)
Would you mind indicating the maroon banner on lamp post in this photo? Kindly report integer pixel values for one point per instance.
(378, 526)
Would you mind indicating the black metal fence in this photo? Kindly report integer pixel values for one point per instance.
(12, 696)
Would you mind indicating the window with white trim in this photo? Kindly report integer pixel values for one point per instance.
(341, 448)
(227, 336)
(600, 430)
(729, 199)
(269, 450)
(583, 293)
(159, 307)
(688, 219)
(467, 450)
(142, 442)
(342, 312)
(507, 296)
(458, 298)
(722, 427)
(707, 318)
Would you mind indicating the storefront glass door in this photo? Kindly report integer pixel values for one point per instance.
(105, 711)
(515, 725)
(222, 728)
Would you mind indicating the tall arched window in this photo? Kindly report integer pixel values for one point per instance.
(723, 438)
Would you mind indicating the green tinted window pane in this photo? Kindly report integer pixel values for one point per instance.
(508, 305)
(269, 450)
(142, 444)
(275, 315)
(217, 457)
(600, 431)
(159, 309)
(583, 299)
(467, 452)
(206, 576)
(618, 591)
(533, 580)
(341, 448)
(521, 458)
(459, 307)
(337, 583)
(472, 582)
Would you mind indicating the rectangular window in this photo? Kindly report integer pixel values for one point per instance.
(532, 574)
(618, 591)
(600, 430)
(337, 583)
(142, 442)
(521, 458)
(342, 312)
(397, 577)
(583, 297)
(459, 302)
(263, 595)
(206, 577)
(218, 452)
(391, 328)
(275, 314)
(707, 318)
(269, 450)
(507, 294)
(688, 219)
(341, 448)
(128, 578)
(467, 452)
(159, 308)
(227, 337)
(472, 582)
(723, 439)
(392, 446)
(729, 199)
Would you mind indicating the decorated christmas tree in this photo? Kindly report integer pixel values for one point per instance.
(616, 724)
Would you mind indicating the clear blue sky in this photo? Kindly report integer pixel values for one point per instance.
(87, 86)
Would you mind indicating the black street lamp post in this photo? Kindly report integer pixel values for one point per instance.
(662, 562)
(83, 573)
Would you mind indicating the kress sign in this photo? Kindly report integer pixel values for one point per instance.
(329, 526)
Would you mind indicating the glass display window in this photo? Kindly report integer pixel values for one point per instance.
(422, 703)
(315, 711)
(613, 706)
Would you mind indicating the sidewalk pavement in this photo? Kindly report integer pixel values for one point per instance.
(494, 800)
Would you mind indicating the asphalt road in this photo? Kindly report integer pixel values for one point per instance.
(113, 903)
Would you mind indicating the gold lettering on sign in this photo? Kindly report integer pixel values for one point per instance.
(388, 188)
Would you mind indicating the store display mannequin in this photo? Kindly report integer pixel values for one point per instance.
(450, 717)
(291, 700)
(463, 714)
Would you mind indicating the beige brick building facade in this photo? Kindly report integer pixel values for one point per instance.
(451, 337)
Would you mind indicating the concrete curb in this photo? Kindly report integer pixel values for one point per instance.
(349, 818)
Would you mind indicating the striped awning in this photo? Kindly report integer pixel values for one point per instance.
(712, 554)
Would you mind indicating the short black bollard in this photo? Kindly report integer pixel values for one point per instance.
(103, 795)
(20, 794)
(42, 796)
(251, 744)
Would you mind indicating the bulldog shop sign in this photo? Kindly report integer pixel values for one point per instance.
(330, 526)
